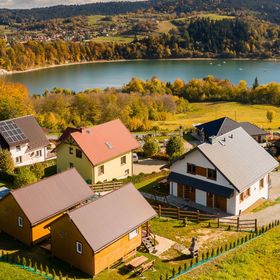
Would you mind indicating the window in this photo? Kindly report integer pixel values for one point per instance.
(261, 184)
(191, 168)
(211, 174)
(245, 195)
(79, 247)
(18, 148)
(20, 222)
(100, 170)
(79, 153)
(71, 164)
(19, 159)
(133, 234)
(39, 153)
(126, 172)
(71, 150)
(123, 160)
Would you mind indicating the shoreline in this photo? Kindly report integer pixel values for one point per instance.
(4, 72)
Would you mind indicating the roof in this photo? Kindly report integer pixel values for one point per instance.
(239, 158)
(103, 142)
(223, 125)
(200, 184)
(52, 196)
(4, 192)
(107, 219)
(23, 130)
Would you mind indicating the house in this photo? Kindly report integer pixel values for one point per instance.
(100, 153)
(24, 212)
(97, 235)
(25, 140)
(230, 173)
(221, 126)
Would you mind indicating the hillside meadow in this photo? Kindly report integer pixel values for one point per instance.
(203, 112)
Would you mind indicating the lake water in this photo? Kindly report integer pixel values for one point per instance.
(115, 74)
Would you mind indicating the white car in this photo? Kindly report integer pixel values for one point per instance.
(135, 157)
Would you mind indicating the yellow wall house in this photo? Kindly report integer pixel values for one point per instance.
(97, 235)
(25, 212)
(100, 153)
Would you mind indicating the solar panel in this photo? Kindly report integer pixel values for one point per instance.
(11, 132)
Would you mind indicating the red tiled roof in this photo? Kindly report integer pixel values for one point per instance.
(103, 142)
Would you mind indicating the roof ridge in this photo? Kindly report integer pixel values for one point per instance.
(225, 118)
(21, 117)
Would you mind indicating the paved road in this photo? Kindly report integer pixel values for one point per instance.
(147, 166)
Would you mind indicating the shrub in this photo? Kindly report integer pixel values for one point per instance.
(25, 177)
(6, 161)
(151, 147)
(175, 146)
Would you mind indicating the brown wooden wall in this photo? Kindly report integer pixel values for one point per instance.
(40, 233)
(9, 212)
(109, 255)
(64, 236)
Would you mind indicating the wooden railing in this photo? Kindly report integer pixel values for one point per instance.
(106, 187)
(197, 217)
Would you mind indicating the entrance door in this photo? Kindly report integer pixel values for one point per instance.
(210, 200)
(221, 203)
(189, 193)
(180, 190)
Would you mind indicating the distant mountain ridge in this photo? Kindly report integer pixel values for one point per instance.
(268, 9)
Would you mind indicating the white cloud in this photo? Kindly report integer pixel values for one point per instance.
(26, 4)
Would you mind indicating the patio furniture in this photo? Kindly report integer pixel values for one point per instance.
(136, 262)
(146, 266)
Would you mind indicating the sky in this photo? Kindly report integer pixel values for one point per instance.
(27, 4)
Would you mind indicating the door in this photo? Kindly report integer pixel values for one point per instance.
(189, 193)
(210, 200)
(180, 190)
(221, 203)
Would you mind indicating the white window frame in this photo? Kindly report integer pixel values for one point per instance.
(133, 234)
(20, 221)
(123, 158)
(38, 153)
(79, 247)
(19, 159)
(18, 148)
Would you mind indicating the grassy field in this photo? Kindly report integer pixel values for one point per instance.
(94, 19)
(203, 112)
(258, 259)
(212, 16)
(119, 39)
(165, 26)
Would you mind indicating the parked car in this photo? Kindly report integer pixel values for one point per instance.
(135, 158)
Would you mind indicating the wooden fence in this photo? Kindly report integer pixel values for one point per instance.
(106, 187)
(197, 217)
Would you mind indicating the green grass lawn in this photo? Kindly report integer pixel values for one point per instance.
(149, 184)
(203, 112)
(213, 16)
(258, 259)
(94, 19)
(266, 204)
(12, 272)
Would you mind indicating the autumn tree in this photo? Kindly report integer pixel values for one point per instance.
(6, 161)
(270, 115)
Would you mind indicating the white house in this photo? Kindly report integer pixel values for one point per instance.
(25, 140)
(230, 173)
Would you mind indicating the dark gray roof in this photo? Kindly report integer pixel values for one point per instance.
(23, 130)
(107, 219)
(52, 196)
(200, 184)
(239, 158)
(223, 125)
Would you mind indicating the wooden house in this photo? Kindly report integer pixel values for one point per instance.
(95, 236)
(25, 212)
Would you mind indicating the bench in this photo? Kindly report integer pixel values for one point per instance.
(129, 256)
(146, 266)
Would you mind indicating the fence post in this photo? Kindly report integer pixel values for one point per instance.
(256, 225)
(159, 210)
(238, 224)
(178, 213)
(197, 216)
(218, 222)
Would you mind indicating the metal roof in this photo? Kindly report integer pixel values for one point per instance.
(4, 192)
(239, 158)
(103, 142)
(23, 130)
(200, 184)
(107, 219)
(52, 196)
(223, 125)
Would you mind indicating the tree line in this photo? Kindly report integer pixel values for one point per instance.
(200, 38)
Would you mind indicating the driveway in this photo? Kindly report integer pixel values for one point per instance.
(148, 166)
